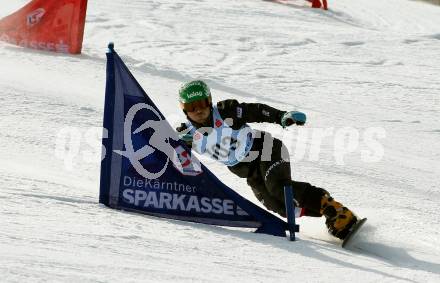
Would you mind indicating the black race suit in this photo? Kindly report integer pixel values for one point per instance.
(266, 178)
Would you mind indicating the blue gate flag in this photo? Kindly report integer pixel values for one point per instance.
(147, 169)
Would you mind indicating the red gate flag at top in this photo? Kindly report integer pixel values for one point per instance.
(52, 25)
(318, 4)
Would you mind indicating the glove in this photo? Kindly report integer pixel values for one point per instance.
(184, 134)
(293, 117)
(186, 137)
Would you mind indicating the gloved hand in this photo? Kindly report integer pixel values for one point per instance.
(186, 137)
(184, 134)
(293, 117)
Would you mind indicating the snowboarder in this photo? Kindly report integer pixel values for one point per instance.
(221, 132)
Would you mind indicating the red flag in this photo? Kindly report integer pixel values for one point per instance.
(317, 4)
(53, 25)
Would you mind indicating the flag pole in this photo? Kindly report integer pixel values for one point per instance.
(290, 212)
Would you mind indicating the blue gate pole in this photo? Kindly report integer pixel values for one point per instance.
(290, 212)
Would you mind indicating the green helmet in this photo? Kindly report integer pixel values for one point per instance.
(194, 91)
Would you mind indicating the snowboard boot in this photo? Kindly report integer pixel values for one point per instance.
(339, 219)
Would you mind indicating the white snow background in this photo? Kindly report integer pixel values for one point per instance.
(363, 64)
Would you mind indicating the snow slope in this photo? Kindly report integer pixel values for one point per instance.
(362, 64)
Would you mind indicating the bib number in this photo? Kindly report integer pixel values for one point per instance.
(223, 149)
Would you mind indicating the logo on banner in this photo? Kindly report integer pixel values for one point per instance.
(159, 140)
(35, 17)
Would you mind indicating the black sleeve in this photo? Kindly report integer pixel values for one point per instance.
(181, 128)
(242, 113)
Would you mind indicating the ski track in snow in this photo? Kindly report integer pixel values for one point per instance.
(361, 64)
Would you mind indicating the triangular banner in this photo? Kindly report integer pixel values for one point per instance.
(52, 25)
(147, 169)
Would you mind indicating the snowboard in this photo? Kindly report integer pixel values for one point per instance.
(353, 231)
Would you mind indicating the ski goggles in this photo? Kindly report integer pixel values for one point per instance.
(199, 104)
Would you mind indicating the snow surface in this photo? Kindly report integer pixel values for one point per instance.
(363, 64)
